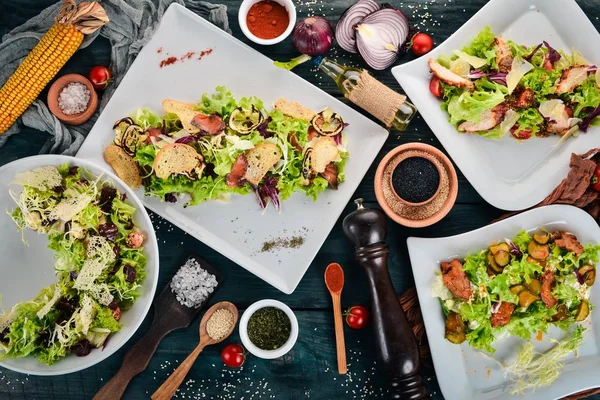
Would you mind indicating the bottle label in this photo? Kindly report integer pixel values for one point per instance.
(375, 98)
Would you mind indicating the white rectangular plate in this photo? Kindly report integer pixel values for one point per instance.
(464, 373)
(508, 174)
(237, 229)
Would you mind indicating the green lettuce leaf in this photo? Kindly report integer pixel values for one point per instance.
(470, 105)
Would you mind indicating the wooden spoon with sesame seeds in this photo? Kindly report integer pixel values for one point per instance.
(219, 333)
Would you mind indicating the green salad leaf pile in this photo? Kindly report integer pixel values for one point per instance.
(221, 151)
(99, 264)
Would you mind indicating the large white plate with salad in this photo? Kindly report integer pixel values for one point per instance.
(79, 264)
(210, 127)
(509, 308)
(511, 173)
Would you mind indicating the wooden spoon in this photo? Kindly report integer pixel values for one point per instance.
(170, 386)
(334, 279)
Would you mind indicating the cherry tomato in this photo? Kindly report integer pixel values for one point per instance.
(357, 317)
(521, 134)
(233, 355)
(422, 43)
(435, 87)
(100, 77)
(596, 179)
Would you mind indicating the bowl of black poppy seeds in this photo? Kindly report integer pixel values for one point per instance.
(416, 185)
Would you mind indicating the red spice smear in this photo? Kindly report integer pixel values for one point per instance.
(160, 50)
(334, 277)
(188, 55)
(204, 53)
(267, 19)
(168, 61)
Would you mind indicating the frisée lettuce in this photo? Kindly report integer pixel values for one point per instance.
(99, 264)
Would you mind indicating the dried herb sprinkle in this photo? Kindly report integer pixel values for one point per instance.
(415, 179)
(269, 328)
(279, 243)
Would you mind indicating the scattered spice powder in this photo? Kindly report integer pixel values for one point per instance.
(282, 243)
(269, 328)
(187, 56)
(74, 98)
(219, 324)
(267, 19)
(168, 61)
(160, 50)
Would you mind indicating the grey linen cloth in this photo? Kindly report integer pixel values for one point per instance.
(132, 23)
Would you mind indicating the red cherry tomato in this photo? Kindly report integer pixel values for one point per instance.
(100, 77)
(521, 134)
(596, 179)
(153, 133)
(357, 317)
(233, 355)
(422, 43)
(435, 87)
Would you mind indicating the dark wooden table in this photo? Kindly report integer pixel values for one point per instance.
(309, 370)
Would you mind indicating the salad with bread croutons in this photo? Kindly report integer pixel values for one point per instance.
(99, 264)
(222, 145)
(494, 87)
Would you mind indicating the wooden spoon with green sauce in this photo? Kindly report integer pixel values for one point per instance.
(170, 386)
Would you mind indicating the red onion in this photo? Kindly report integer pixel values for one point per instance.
(495, 306)
(313, 36)
(380, 37)
(345, 30)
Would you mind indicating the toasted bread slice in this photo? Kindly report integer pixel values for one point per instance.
(293, 109)
(260, 159)
(124, 165)
(177, 158)
(324, 151)
(185, 112)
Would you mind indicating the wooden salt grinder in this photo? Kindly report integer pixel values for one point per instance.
(397, 346)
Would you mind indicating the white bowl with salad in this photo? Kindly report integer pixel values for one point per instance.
(80, 264)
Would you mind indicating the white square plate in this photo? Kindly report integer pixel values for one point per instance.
(464, 373)
(508, 174)
(237, 229)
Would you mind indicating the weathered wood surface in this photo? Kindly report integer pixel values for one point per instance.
(309, 371)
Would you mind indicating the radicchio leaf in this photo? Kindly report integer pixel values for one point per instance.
(186, 139)
(130, 273)
(338, 138)
(476, 74)
(82, 348)
(514, 250)
(584, 125)
(498, 77)
(107, 195)
(579, 277)
(553, 55)
(496, 306)
(263, 128)
(530, 56)
(73, 170)
(267, 190)
(170, 198)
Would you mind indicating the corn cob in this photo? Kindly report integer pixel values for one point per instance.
(48, 57)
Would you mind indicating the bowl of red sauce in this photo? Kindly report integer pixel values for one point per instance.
(267, 22)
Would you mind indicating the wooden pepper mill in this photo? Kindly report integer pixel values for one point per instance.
(397, 346)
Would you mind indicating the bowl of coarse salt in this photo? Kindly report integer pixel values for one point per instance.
(72, 99)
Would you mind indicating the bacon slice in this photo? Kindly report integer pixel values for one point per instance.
(569, 242)
(504, 56)
(235, 177)
(312, 133)
(546, 294)
(525, 98)
(331, 175)
(447, 76)
(502, 316)
(571, 78)
(456, 280)
(209, 124)
(489, 119)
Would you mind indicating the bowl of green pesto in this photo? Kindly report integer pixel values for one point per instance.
(269, 329)
(79, 268)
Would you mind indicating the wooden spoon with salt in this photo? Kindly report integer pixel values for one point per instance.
(334, 279)
(170, 386)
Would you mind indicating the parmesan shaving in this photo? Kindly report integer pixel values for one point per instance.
(99, 248)
(68, 208)
(476, 62)
(48, 306)
(42, 178)
(518, 70)
(510, 119)
(553, 109)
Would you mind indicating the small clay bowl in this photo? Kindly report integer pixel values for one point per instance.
(450, 172)
(428, 157)
(58, 86)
